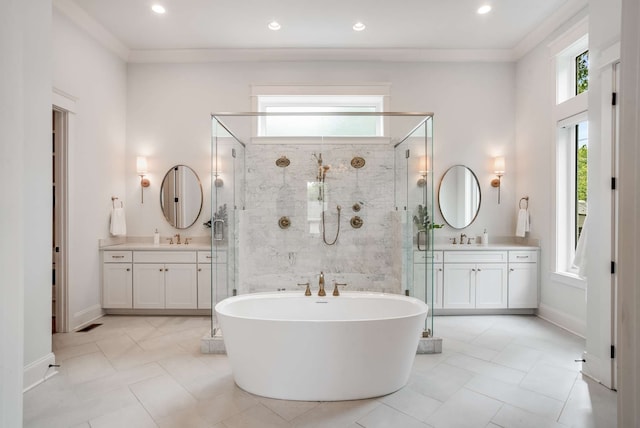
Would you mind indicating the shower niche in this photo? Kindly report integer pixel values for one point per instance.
(343, 205)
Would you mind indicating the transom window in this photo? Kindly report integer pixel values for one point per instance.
(582, 72)
(320, 126)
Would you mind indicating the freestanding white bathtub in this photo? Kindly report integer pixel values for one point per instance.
(293, 347)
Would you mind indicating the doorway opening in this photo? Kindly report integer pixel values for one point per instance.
(59, 263)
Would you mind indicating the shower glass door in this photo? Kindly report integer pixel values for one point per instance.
(414, 200)
(227, 201)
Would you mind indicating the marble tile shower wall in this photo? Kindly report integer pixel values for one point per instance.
(367, 258)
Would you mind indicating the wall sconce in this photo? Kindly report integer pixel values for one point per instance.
(425, 167)
(498, 169)
(141, 167)
(218, 182)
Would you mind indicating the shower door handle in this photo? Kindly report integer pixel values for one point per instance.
(218, 230)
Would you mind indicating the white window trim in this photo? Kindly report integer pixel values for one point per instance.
(564, 51)
(379, 90)
(565, 201)
(569, 109)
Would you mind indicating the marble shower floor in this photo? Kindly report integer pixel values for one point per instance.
(494, 371)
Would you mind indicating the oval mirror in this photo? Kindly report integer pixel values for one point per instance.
(459, 196)
(181, 196)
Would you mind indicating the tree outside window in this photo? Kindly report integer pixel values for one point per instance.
(582, 72)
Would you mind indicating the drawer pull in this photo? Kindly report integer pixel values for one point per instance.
(117, 257)
(209, 257)
(522, 257)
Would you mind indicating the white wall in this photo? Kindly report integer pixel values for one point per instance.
(11, 255)
(629, 245)
(97, 79)
(169, 106)
(25, 296)
(535, 154)
(604, 35)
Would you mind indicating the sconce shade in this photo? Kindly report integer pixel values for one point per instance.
(141, 165)
(499, 165)
(425, 165)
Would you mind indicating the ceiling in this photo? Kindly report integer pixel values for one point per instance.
(327, 24)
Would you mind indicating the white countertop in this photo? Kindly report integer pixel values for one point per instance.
(480, 247)
(130, 246)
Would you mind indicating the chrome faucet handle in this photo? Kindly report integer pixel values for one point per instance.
(186, 241)
(170, 241)
(335, 287)
(307, 292)
(470, 239)
(455, 241)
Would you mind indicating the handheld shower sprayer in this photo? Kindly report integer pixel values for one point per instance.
(322, 174)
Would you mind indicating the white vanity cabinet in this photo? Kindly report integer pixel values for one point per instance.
(117, 279)
(475, 280)
(207, 260)
(523, 279)
(165, 280)
(428, 264)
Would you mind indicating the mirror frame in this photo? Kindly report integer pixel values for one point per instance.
(164, 179)
(479, 197)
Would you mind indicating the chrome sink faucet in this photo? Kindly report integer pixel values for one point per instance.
(462, 236)
(177, 236)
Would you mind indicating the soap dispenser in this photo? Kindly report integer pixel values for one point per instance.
(485, 238)
(156, 238)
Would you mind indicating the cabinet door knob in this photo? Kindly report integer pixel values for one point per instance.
(166, 270)
(511, 270)
(160, 269)
(473, 270)
(199, 269)
(128, 269)
(479, 270)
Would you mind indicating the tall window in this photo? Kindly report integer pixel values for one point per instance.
(580, 192)
(571, 113)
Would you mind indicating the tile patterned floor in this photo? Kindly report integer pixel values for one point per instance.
(495, 371)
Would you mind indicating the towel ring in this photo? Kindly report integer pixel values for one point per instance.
(526, 203)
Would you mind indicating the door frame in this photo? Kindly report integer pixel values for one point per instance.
(64, 105)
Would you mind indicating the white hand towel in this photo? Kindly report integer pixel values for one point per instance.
(580, 259)
(522, 226)
(118, 225)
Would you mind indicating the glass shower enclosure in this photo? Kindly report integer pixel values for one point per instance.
(349, 194)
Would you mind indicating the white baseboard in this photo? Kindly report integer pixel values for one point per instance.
(571, 324)
(39, 371)
(86, 316)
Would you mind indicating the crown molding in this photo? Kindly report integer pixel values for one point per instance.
(320, 54)
(567, 11)
(92, 27)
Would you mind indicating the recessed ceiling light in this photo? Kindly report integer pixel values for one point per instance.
(484, 9)
(359, 26)
(158, 8)
(273, 25)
